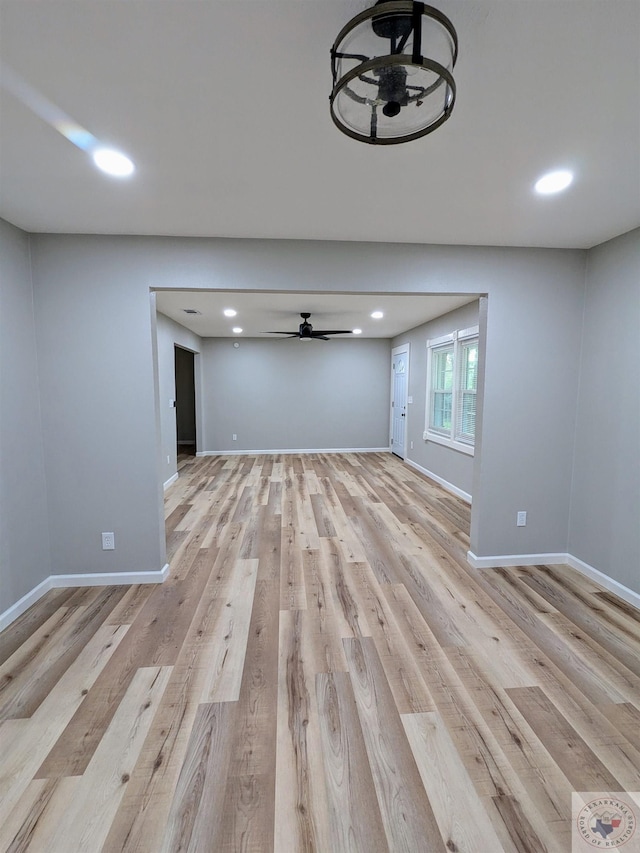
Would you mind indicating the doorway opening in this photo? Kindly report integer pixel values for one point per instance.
(185, 403)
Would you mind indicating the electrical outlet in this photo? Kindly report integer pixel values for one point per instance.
(521, 519)
(108, 542)
(168, 459)
(412, 445)
(234, 437)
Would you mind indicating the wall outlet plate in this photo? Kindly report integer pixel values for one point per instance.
(521, 519)
(108, 542)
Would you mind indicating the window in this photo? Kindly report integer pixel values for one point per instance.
(452, 384)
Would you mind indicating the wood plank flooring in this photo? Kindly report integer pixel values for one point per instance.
(322, 671)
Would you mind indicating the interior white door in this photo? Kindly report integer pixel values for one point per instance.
(400, 376)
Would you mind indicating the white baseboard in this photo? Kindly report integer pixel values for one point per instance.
(24, 603)
(109, 578)
(293, 450)
(614, 586)
(170, 481)
(98, 579)
(444, 483)
(508, 560)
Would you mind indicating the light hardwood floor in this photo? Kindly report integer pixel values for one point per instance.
(322, 671)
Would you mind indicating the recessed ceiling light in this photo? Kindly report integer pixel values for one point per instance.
(236, 330)
(230, 312)
(554, 182)
(357, 331)
(113, 162)
(377, 315)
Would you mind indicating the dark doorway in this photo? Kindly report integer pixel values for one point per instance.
(185, 402)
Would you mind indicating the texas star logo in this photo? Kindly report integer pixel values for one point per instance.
(606, 823)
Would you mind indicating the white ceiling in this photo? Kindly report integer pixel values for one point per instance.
(223, 106)
(260, 312)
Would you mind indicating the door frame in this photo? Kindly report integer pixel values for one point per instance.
(399, 350)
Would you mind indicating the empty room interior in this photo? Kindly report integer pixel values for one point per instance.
(319, 426)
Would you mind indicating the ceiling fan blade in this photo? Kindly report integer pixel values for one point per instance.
(307, 332)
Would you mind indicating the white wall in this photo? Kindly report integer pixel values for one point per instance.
(605, 502)
(294, 395)
(533, 328)
(95, 339)
(168, 334)
(101, 429)
(24, 528)
(450, 465)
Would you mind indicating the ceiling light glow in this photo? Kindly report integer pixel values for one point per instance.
(236, 330)
(377, 315)
(113, 162)
(554, 182)
(76, 134)
(357, 331)
(230, 312)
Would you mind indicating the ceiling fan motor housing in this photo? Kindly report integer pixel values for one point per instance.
(305, 329)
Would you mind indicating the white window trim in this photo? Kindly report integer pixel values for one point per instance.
(433, 343)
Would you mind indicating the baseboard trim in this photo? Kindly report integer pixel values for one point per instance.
(440, 481)
(59, 581)
(614, 586)
(294, 450)
(549, 559)
(170, 481)
(24, 603)
(110, 578)
(508, 560)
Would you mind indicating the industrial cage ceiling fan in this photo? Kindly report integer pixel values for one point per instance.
(392, 68)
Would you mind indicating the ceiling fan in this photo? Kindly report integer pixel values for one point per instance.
(306, 332)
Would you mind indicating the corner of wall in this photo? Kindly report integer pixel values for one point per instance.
(585, 273)
(30, 244)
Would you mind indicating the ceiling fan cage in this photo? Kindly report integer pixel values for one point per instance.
(392, 72)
